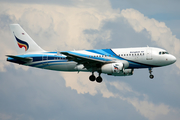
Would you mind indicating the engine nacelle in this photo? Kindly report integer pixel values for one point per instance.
(112, 68)
(117, 69)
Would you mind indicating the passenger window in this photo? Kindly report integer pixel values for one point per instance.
(159, 53)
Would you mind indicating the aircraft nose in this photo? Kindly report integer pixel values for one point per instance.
(173, 59)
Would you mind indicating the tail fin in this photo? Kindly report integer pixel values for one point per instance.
(24, 43)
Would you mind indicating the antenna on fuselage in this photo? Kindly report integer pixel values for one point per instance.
(57, 50)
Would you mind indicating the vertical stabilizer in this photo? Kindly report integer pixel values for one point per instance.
(24, 43)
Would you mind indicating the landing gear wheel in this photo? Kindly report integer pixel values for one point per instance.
(92, 78)
(150, 71)
(151, 76)
(99, 79)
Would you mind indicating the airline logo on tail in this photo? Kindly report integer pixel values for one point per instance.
(22, 43)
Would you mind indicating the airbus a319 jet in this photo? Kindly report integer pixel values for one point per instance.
(115, 62)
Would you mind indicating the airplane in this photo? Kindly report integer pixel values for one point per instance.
(115, 62)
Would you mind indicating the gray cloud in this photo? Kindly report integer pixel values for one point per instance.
(149, 7)
(44, 96)
(40, 94)
(61, 2)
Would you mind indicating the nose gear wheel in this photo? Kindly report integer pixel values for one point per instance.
(150, 71)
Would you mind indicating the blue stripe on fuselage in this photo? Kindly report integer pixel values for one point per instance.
(47, 63)
(58, 58)
(39, 57)
(132, 64)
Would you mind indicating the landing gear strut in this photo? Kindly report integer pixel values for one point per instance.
(99, 78)
(93, 78)
(150, 71)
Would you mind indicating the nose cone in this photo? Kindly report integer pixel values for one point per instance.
(172, 59)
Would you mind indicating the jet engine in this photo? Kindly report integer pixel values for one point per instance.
(117, 69)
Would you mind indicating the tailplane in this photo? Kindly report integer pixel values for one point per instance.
(24, 43)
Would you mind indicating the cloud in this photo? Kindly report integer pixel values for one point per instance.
(158, 31)
(4, 116)
(56, 27)
(123, 92)
(82, 85)
(148, 109)
(81, 27)
(144, 106)
(64, 27)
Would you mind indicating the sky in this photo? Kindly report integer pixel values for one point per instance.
(60, 25)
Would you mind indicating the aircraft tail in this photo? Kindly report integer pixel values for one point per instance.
(24, 43)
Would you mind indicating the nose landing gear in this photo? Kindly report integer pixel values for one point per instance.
(151, 76)
(150, 71)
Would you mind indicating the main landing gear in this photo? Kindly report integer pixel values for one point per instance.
(93, 78)
(150, 71)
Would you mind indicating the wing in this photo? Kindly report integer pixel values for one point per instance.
(88, 61)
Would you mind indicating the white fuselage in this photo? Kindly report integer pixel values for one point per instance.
(117, 62)
(143, 57)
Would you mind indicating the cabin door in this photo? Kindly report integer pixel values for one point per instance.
(149, 54)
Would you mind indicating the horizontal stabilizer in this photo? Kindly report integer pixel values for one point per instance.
(20, 58)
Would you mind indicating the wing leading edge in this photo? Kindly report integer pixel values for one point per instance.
(88, 61)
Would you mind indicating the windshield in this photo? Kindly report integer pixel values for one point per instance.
(163, 52)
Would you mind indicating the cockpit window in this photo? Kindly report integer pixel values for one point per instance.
(162, 53)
